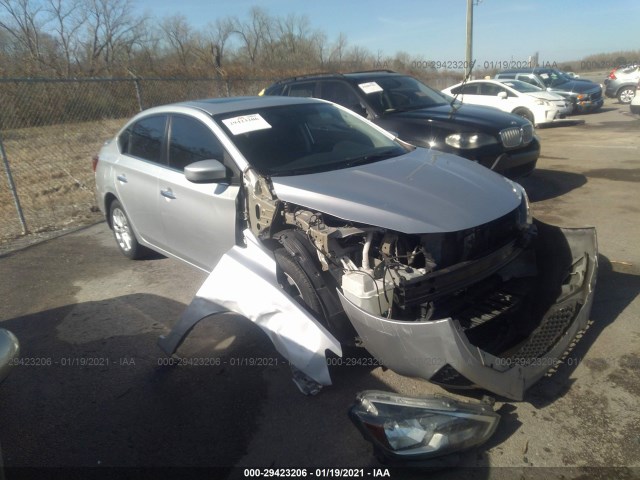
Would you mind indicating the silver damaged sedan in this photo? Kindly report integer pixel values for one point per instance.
(327, 231)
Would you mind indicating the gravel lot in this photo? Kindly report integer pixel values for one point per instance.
(98, 399)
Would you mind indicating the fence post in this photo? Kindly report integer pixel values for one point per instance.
(136, 81)
(12, 187)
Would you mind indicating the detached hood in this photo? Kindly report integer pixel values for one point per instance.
(470, 116)
(424, 191)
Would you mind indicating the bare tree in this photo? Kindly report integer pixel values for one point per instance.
(111, 30)
(67, 18)
(256, 33)
(22, 21)
(178, 33)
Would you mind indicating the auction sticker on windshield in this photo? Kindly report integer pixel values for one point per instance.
(246, 123)
(370, 87)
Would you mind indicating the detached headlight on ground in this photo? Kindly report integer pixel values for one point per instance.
(409, 429)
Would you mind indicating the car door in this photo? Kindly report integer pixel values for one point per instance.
(136, 171)
(468, 93)
(496, 96)
(199, 220)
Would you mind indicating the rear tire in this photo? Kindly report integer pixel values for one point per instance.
(626, 94)
(296, 282)
(123, 233)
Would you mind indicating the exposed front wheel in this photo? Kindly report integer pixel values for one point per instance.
(296, 283)
(626, 94)
(123, 233)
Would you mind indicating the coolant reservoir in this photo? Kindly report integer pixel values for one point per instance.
(367, 293)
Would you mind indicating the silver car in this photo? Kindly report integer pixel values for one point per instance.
(327, 231)
(621, 83)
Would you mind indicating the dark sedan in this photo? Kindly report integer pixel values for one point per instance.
(425, 117)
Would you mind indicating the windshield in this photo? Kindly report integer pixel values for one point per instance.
(522, 87)
(399, 94)
(305, 138)
(553, 78)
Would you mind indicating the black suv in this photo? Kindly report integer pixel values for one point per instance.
(584, 95)
(425, 117)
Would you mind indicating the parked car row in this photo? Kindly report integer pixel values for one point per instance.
(426, 117)
(584, 95)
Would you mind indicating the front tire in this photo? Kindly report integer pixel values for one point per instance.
(296, 283)
(525, 113)
(626, 94)
(123, 233)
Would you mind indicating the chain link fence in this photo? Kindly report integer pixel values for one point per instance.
(50, 129)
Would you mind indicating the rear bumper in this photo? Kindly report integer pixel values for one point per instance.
(435, 350)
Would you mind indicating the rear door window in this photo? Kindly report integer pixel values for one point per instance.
(305, 89)
(144, 139)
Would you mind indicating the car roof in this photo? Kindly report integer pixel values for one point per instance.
(215, 106)
(367, 74)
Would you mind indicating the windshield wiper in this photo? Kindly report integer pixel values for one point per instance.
(455, 106)
(373, 157)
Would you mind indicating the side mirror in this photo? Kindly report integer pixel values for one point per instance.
(206, 171)
(502, 95)
(9, 350)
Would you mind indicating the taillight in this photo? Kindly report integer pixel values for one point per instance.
(94, 162)
(612, 75)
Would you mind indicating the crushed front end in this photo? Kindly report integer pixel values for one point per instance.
(498, 322)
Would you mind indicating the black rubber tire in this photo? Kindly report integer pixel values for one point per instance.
(295, 282)
(625, 95)
(123, 233)
(525, 113)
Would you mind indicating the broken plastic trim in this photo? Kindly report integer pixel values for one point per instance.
(405, 429)
(244, 282)
(421, 349)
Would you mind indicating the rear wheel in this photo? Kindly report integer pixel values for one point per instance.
(626, 94)
(296, 283)
(523, 112)
(123, 233)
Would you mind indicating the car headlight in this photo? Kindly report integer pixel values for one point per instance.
(407, 429)
(540, 101)
(582, 96)
(466, 141)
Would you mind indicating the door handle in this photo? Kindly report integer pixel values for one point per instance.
(122, 178)
(168, 193)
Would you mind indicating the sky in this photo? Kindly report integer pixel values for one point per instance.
(504, 30)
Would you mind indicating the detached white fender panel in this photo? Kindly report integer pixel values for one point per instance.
(244, 282)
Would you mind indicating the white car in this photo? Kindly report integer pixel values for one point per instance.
(635, 101)
(513, 96)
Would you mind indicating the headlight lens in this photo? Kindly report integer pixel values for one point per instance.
(416, 428)
(540, 101)
(467, 141)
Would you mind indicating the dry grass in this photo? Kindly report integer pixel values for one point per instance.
(51, 168)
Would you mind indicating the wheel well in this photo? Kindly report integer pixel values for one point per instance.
(108, 200)
(624, 87)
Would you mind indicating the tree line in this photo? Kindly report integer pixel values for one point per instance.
(106, 38)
